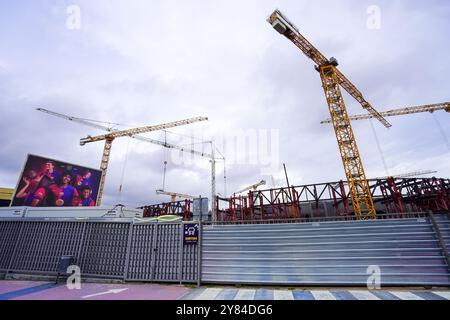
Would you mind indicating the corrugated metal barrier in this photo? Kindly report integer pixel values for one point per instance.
(115, 248)
(405, 251)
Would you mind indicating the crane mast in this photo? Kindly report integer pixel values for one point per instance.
(332, 80)
(351, 159)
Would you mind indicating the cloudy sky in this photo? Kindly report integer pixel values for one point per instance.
(144, 62)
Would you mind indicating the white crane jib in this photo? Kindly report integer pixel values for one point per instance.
(133, 133)
(109, 138)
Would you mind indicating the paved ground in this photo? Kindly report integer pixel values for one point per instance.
(314, 294)
(34, 290)
(37, 290)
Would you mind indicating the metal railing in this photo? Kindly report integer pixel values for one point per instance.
(385, 216)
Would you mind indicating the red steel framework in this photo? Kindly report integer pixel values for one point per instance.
(392, 196)
(397, 196)
(179, 208)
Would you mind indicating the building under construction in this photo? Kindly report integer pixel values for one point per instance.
(330, 233)
(396, 196)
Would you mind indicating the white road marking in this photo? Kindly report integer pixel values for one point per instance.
(443, 294)
(113, 291)
(245, 294)
(322, 295)
(282, 295)
(363, 295)
(404, 295)
(208, 294)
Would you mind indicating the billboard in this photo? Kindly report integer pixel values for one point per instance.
(46, 182)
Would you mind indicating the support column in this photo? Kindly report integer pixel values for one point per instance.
(104, 168)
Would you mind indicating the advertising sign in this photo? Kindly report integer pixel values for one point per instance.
(46, 182)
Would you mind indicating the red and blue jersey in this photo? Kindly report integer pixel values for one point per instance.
(70, 195)
(88, 202)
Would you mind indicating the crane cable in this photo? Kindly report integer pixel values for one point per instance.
(441, 129)
(224, 178)
(380, 151)
(224, 170)
(164, 176)
(165, 162)
(123, 170)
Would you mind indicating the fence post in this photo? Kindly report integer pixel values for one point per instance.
(153, 254)
(180, 253)
(199, 254)
(127, 255)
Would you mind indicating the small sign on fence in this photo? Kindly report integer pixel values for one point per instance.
(191, 233)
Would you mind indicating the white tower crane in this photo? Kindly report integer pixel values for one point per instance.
(91, 123)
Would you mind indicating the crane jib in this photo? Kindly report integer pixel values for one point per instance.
(283, 26)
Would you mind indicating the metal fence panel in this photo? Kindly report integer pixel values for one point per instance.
(189, 263)
(167, 252)
(330, 253)
(443, 224)
(9, 235)
(42, 243)
(157, 253)
(406, 251)
(104, 249)
(140, 266)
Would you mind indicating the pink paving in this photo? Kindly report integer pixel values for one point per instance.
(10, 286)
(100, 291)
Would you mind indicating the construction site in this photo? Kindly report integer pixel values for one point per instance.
(325, 234)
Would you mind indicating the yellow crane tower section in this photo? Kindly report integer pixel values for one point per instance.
(332, 80)
(109, 138)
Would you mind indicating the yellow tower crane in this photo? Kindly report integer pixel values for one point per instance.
(174, 195)
(332, 80)
(403, 111)
(109, 138)
(253, 186)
